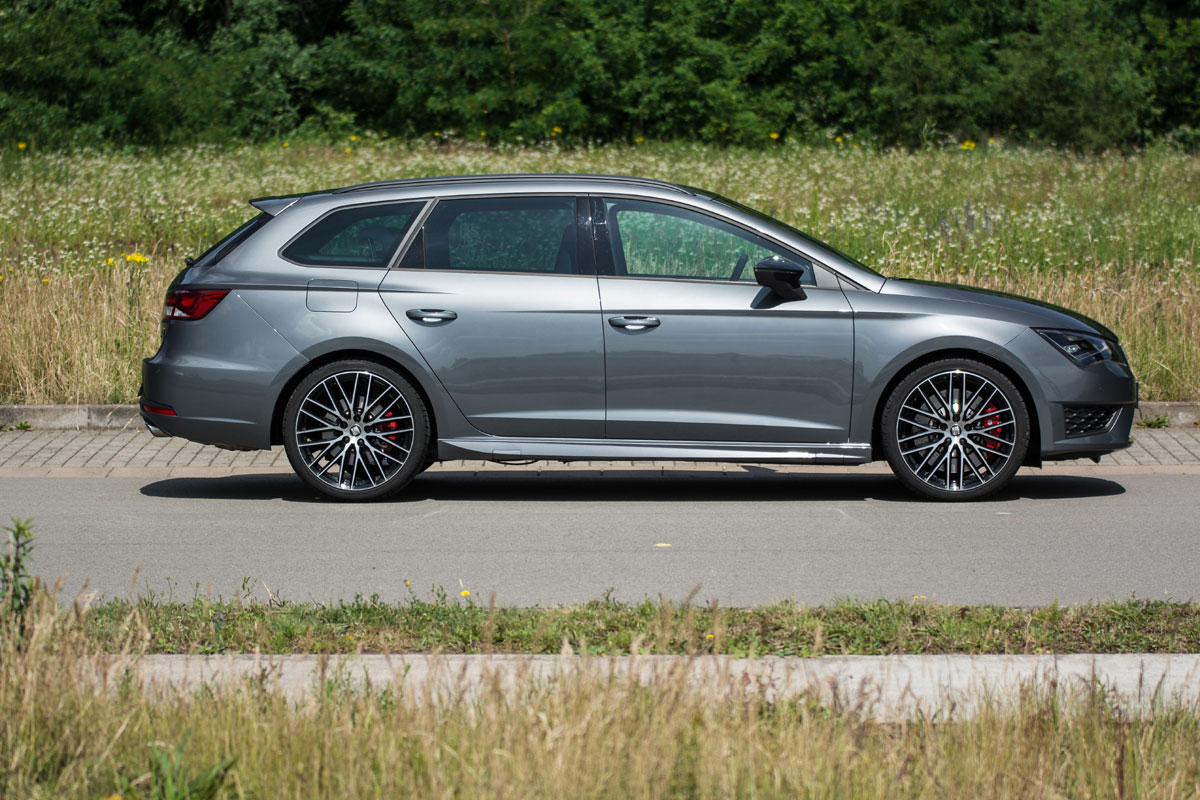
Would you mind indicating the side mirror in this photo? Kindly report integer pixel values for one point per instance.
(781, 277)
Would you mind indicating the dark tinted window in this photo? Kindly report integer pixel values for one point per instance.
(363, 236)
(509, 234)
(656, 240)
(226, 246)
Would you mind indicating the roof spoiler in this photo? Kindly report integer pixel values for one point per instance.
(271, 206)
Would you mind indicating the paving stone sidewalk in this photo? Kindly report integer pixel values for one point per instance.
(135, 453)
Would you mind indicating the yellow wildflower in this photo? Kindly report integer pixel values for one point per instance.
(111, 261)
(837, 139)
(639, 139)
(557, 129)
(354, 137)
(285, 144)
(347, 149)
(437, 133)
(967, 145)
(483, 133)
(21, 145)
(773, 135)
(45, 280)
(136, 257)
(709, 636)
(465, 593)
(991, 140)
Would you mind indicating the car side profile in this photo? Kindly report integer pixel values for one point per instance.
(377, 329)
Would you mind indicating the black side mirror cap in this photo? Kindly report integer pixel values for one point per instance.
(781, 277)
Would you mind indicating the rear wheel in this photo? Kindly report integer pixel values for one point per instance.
(356, 430)
(956, 429)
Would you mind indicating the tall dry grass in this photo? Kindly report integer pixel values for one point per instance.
(63, 734)
(1112, 236)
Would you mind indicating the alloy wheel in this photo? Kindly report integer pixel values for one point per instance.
(354, 431)
(956, 431)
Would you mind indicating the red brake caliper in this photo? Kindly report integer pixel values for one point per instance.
(988, 424)
(390, 426)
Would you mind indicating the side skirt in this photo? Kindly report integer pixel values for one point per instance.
(496, 448)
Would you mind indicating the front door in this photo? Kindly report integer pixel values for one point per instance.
(696, 350)
(499, 298)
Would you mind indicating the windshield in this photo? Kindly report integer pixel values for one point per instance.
(794, 231)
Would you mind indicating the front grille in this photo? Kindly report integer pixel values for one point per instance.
(1088, 420)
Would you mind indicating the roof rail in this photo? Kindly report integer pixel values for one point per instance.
(469, 179)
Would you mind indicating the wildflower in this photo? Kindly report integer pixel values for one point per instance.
(21, 145)
(347, 150)
(465, 593)
(45, 280)
(483, 133)
(773, 135)
(437, 133)
(136, 257)
(991, 140)
(639, 139)
(408, 583)
(968, 145)
(557, 129)
(354, 137)
(285, 144)
(111, 261)
(709, 636)
(837, 139)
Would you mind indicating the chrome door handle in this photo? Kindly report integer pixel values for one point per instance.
(431, 316)
(633, 323)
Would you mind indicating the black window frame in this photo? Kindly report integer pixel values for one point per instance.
(400, 245)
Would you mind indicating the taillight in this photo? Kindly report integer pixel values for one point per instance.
(188, 304)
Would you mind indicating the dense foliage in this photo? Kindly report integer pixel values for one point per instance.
(1090, 73)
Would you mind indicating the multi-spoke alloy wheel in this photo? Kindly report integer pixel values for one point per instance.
(955, 430)
(356, 430)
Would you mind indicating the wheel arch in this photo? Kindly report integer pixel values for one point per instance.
(1033, 456)
(309, 367)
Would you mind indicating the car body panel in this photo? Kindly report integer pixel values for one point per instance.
(725, 364)
(524, 357)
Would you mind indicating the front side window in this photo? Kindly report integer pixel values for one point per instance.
(502, 234)
(361, 236)
(656, 240)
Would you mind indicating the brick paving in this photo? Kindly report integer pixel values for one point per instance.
(135, 453)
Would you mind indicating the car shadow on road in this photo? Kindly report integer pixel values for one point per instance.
(757, 483)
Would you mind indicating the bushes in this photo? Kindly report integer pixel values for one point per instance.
(1088, 73)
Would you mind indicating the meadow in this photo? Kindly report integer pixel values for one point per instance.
(90, 240)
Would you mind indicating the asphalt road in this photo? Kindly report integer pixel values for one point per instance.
(570, 536)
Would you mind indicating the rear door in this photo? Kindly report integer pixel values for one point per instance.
(501, 299)
(696, 350)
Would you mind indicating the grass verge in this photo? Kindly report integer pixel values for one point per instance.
(588, 735)
(89, 241)
(606, 627)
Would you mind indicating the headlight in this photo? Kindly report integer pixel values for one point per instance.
(1083, 348)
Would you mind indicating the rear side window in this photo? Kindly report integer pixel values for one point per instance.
(226, 246)
(361, 236)
(509, 234)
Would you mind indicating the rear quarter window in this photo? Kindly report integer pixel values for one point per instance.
(361, 236)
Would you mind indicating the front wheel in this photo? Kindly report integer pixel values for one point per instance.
(956, 429)
(356, 430)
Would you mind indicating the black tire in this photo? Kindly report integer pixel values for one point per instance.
(356, 430)
(956, 429)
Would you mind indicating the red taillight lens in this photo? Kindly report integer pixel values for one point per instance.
(188, 304)
(154, 408)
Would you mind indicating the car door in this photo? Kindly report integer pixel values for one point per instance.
(696, 350)
(501, 301)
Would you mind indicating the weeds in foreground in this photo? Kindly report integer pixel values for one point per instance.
(75, 723)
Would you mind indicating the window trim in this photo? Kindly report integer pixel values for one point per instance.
(584, 233)
(606, 266)
(404, 240)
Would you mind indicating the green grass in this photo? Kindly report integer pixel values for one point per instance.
(605, 627)
(1112, 235)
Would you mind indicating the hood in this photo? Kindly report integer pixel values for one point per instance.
(1048, 314)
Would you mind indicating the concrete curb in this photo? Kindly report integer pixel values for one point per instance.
(880, 686)
(65, 417)
(117, 417)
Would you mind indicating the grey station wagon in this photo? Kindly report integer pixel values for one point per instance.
(376, 329)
